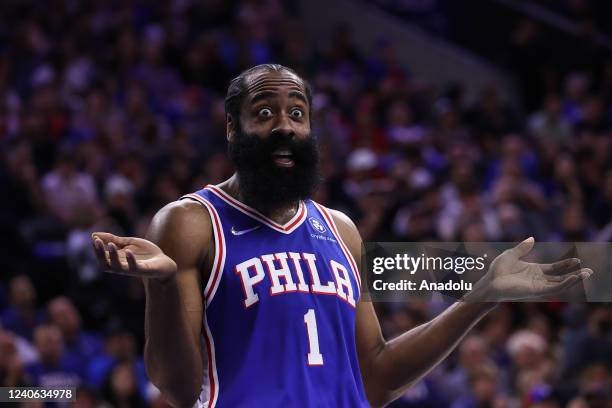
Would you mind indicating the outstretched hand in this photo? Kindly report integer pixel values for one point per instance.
(132, 256)
(510, 278)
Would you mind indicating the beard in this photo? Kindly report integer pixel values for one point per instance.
(263, 184)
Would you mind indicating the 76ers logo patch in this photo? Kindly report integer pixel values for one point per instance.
(317, 225)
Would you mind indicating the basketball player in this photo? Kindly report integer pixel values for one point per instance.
(253, 289)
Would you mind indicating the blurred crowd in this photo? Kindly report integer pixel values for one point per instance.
(111, 109)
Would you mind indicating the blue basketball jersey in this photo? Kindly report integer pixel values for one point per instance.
(279, 324)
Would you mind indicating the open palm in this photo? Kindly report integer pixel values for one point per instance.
(510, 278)
(132, 256)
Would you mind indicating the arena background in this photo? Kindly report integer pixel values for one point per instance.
(439, 120)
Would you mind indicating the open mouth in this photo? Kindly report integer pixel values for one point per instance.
(283, 158)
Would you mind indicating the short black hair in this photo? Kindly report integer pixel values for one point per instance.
(237, 89)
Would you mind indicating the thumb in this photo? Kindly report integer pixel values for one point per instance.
(523, 248)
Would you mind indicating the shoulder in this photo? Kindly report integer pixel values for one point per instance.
(183, 230)
(343, 222)
(182, 214)
(346, 229)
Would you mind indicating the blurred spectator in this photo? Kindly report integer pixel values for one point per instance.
(11, 364)
(109, 113)
(18, 179)
(68, 191)
(56, 367)
(64, 315)
(574, 227)
(473, 354)
(22, 316)
(427, 392)
(119, 348)
(121, 389)
(482, 388)
(527, 349)
(463, 206)
(549, 124)
(492, 114)
(590, 344)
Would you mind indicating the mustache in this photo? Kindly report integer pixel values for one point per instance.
(304, 150)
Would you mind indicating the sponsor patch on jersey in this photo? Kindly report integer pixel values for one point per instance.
(317, 225)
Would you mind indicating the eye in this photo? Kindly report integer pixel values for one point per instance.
(297, 113)
(265, 112)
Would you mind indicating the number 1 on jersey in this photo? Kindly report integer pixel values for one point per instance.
(314, 355)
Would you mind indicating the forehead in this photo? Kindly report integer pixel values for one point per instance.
(273, 81)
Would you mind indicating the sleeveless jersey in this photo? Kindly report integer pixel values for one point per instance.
(279, 321)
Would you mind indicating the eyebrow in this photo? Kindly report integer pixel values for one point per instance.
(262, 95)
(267, 94)
(299, 95)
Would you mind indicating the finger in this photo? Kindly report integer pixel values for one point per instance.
(571, 280)
(121, 272)
(113, 254)
(107, 237)
(131, 261)
(100, 253)
(523, 248)
(562, 277)
(586, 273)
(583, 274)
(561, 267)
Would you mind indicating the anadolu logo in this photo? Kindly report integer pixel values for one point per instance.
(317, 225)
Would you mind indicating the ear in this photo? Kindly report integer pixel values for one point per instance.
(230, 127)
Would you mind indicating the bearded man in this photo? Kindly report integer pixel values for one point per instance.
(253, 289)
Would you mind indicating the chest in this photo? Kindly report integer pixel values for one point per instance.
(268, 264)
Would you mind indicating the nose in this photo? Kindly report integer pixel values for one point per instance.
(283, 126)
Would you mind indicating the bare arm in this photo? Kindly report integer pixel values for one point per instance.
(388, 368)
(174, 309)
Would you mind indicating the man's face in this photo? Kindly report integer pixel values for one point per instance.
(65, 316)
(271, 146)
(22, 292)
(48, 341)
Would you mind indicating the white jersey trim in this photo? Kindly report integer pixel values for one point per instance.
(286, 228)
(210, 392)
(220, 249)
(332, 226)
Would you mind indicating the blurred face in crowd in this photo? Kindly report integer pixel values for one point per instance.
(484, 384)
(473, 352)
(271, 145)
(65, 316)
(527, 357)
(123, 382)
(22, 292)
(573, 222)
(121, 346)
(48, 341)
(565, 168)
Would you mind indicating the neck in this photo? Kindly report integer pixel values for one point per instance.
(279, 214)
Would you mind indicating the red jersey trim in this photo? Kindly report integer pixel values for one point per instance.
(286, 228)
